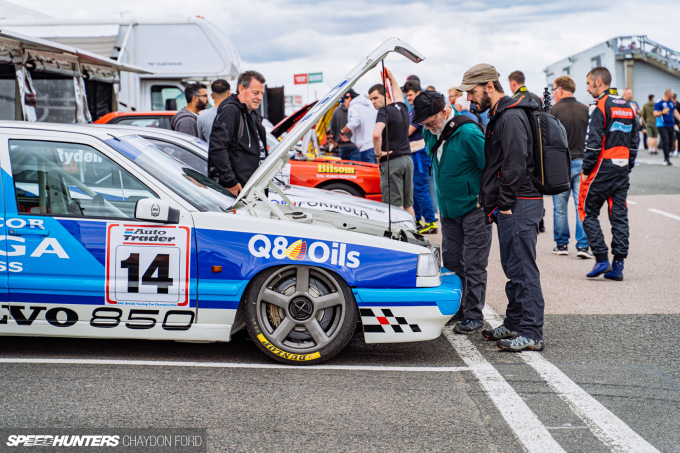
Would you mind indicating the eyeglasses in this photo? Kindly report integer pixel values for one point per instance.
(556, 88)
(202, 96)
(429, 124)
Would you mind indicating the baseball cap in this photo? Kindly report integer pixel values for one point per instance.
(427, 104)
(351, 94)
(479, 73)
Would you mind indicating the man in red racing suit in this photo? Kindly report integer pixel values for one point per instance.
(611, 147)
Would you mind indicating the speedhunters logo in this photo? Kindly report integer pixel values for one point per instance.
(106, 439)
(262, 246)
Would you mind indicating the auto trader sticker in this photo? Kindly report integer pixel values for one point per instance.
(147, 263)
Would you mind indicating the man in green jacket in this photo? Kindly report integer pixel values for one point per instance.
(466, 237)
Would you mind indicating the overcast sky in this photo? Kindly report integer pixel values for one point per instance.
(281, 38)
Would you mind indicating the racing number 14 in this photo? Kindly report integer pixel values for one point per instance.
(142, 270)
(159, 265)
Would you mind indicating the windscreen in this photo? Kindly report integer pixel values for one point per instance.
(197, 189)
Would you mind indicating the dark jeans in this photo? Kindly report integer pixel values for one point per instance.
(433, 193)
(561, 207)
(517, 236)
(422, 202)
(667, 135)
(350, 153)
(368, 156)
(466, 241)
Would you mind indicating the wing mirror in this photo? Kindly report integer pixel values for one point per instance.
(156, 210)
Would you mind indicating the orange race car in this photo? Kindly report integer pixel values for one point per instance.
(360, 179)
(150, 119)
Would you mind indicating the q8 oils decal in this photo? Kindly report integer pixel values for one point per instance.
(262, 246)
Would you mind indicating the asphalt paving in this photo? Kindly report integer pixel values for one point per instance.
(616, 341)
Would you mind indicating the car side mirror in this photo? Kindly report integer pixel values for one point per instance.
(171, 104)
(156, 210)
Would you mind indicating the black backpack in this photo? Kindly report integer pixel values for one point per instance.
(552, 160)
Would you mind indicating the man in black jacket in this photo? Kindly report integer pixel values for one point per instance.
(238, 139)
(510, 198)
(516, 82)
(609, 157)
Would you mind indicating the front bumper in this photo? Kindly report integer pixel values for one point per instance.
(411, 314)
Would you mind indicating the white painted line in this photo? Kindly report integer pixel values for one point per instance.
(418, 369)
(664, 213)
(523, 422)
(606, 426)
(567, 427)
(631, 202)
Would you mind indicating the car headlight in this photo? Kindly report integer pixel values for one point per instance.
(428, 265)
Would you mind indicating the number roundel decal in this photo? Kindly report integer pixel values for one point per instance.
(147, 265)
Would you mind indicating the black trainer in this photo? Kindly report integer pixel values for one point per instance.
(561, 250)
(583, 253)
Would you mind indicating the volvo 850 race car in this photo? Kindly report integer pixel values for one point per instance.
(194, 152)
(105, 236)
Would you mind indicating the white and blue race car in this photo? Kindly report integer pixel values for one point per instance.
(194, 152)
(103, 235)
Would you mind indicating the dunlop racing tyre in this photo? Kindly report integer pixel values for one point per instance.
(300, 315)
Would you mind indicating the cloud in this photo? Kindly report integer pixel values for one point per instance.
(281, 38)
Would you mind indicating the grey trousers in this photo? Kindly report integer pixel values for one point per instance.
(466, 241)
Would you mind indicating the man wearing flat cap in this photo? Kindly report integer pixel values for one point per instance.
(457, 163)
(510, 198)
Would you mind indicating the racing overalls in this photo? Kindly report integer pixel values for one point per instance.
(611, 147)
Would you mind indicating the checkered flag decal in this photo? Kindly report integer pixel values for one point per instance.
(387, 321)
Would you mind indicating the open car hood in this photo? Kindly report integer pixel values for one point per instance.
(288, 122)
(263, 176)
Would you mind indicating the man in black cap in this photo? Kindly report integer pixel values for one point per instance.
(456, 147)
(511, 199)
(346, 148)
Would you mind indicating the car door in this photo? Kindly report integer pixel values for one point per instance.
(86, 266)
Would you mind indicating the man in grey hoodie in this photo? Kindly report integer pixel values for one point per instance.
(185, 120)
(360, 122)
